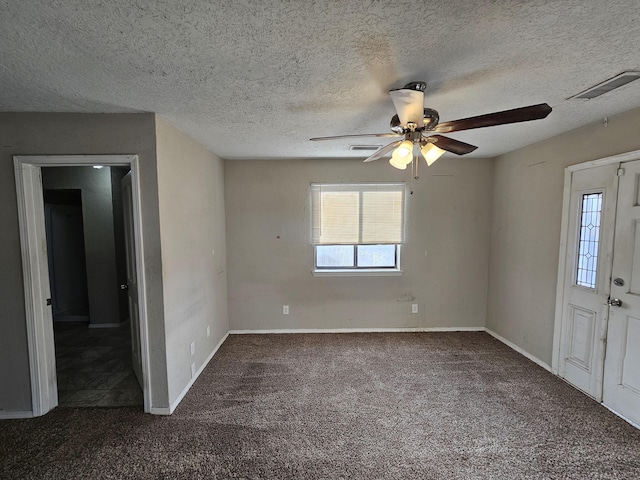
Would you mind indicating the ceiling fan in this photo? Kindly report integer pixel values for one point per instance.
(419, 126)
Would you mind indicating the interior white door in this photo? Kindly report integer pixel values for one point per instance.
(42, 357)
(622, 365)
(587, 277)
(132, 282)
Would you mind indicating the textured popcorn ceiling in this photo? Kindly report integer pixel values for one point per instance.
(257, 79)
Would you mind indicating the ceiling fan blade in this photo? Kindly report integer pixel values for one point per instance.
(361, 135)
(451, 145)
(409, 105)
(523, 114)
(383, 151)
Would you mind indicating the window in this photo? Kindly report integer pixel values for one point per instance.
(590, 213)
(356, 256)
(357, 228)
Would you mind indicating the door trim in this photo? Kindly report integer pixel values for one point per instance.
(564, 233)
(40, 340)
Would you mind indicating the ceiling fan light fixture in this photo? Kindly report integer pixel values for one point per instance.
(430, 152)
(394, 162)
(403, 153)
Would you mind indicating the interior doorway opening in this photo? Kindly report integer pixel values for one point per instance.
(84, 224)
(39, 318)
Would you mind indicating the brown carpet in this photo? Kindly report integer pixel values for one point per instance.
(360, 406)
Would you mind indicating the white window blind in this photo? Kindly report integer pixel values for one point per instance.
(357, 213)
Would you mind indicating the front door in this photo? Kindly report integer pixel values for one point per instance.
(599, 347)
(587, 277)
(621, 390)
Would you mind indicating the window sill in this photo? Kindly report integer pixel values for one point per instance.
(373, 272)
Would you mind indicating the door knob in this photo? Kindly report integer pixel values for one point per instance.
(614, 302)
(124, 286)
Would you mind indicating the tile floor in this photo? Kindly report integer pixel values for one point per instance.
(93, 366)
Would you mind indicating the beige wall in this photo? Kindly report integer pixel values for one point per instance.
(270, 256)
(525, 231)
(57, 134)
(194, 270)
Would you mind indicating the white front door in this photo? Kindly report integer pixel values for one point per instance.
(132, 282)
(621, 390)
(587, 275)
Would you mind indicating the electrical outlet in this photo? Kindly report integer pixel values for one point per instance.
(414, 308)
(193, 370)
(208, 331)
(285, 309)
(193, 348)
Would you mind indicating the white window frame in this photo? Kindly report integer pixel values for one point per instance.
(360, 271)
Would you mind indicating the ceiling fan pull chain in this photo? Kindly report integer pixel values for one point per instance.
(411, 180)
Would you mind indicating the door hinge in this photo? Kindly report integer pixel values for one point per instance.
(48, 301)
(620, 172)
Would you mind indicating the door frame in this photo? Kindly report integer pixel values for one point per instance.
(564, 242)
(44, 392)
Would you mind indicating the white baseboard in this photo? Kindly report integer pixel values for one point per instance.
(518, 349)
(160, 411)
(357, 330)
(6, 415)
(174, 405)
(622, 417)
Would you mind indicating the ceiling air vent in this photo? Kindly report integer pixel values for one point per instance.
(365, 148)
(607, 85)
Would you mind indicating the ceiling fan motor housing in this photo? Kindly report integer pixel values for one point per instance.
(418, 86)
(431, 119)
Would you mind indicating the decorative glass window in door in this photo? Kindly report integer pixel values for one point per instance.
(590, 217)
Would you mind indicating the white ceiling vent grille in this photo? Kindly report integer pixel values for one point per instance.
(365, 148)
(608, 85)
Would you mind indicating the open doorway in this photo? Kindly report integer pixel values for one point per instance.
(84, 224)
(39, 315)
